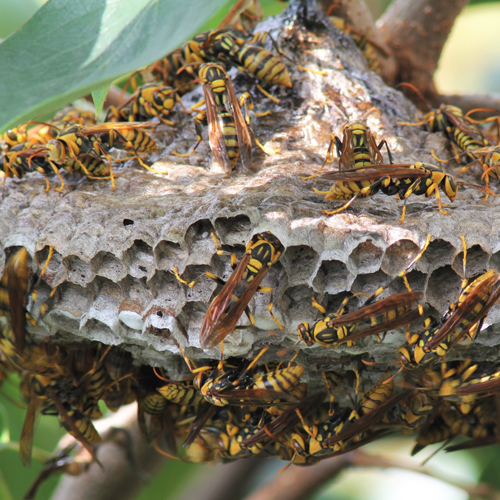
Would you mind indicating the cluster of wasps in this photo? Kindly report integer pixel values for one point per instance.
(237, 408)
(73, 141)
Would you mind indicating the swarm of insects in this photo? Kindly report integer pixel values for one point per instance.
(216, 270)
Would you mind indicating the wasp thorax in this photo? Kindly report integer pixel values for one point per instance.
(56, 150)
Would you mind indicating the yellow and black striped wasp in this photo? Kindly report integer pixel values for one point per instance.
(148, 102)
(357, 149)
(475, 302)
(371, 319)
(373, 407)
(236, 386)
(368, 47)
(227, 129)
(261, 253)
(401, 180)
(92, 142)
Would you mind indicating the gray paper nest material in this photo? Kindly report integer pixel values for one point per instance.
(115, 250)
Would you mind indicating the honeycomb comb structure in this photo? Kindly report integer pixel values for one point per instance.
(115, 251)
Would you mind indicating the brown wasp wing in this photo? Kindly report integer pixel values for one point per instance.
(287, 420)
(378, 308)
(254, 397)
(215, 133)
(346, 159)
(17, 279)
(374, 173)
(234, 13)
(26, 440)
(367, 420)
(102, 128)
(472, 443)
(205, 413)
(226, 325)
(215, 328)
(465, 126)
(375, 154)
(77, 434)
(244, 139)
(465, 309)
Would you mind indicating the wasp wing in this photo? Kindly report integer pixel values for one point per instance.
(205, 412)
(26, 440)
(218, 323)
(287, 420)
(226, 324)
(481, 294)
(17, 279)
(254, 397)
(215, 132)
(375, 173)
(367, 420)
(244, 139)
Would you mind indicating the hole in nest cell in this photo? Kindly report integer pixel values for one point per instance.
(477, 262)
(128, 222)
(300, 262)
(439, 253)
(332, 276)
(365, 258)
(398, 256)
(443, 288)
(235, 230)
(200, 230)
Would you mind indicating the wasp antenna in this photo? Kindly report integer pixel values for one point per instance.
(365, 115)
(165, 454)
(412, 87)
(436, 451)
(160, 376)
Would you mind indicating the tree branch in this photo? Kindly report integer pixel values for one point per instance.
(299, 483)
(416, 32)
(223, 481)
(119, 479)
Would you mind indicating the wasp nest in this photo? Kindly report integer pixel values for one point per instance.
(115, 251)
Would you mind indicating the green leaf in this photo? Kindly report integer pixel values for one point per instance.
(4, 427)
(67, 49)
(99, 96)
(5, 493)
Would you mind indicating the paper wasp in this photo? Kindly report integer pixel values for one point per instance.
(228, 131)
(148, 101)
(374, 405)
(470, 380)
(480, 296)
(92, 142)
(234, 386)
(460, 130)
(371, 319)
(401, 180)
(261, 252)
(356, 150)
